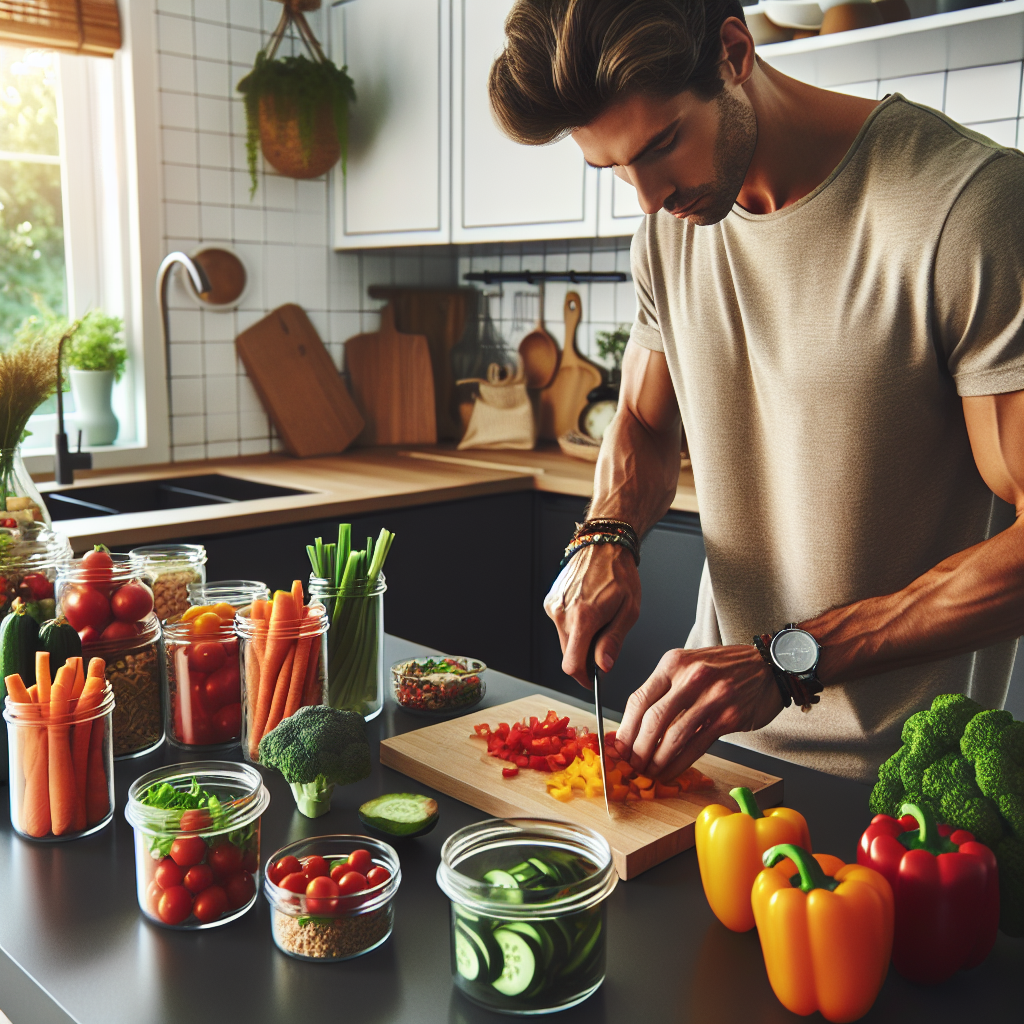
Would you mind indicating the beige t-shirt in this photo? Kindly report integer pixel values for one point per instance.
(819, 355)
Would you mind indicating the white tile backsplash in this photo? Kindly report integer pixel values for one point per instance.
(175, 35)
(1002, 132)
(983, 94)
(927, 89)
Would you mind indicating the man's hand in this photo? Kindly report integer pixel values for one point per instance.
(693, 698)
(598, 589)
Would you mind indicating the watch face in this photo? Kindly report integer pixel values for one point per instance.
(795, 650)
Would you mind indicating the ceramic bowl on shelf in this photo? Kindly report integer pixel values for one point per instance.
(762, 30)
(801, 15)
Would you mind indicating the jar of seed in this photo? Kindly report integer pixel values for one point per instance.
(174, 567)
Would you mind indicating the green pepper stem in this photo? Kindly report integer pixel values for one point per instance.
(927, 836)
(811, 874)
(748, 805)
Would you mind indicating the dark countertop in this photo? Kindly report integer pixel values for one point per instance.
(69, 922)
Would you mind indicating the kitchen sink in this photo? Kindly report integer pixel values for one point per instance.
(151, 495)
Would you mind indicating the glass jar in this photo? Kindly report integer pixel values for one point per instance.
(239, 593)
(528, 921)
(30, 560)
(19, 497)
(197, 854)
(334, 929)
(120, 626)
(355, 647)
(204, 684)
(84, 733)
(281, 671)
(173, 567)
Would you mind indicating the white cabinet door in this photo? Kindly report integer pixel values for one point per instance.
(618, 212)
(503, 191)
(397, 189)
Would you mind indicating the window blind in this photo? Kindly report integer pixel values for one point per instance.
(73, 26)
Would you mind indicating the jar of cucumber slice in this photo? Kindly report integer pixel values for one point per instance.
(528, 921)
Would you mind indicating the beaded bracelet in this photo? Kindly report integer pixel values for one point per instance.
(577, 545)
(615, 526)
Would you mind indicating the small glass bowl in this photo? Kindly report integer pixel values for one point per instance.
(438, 693)
(361, 922)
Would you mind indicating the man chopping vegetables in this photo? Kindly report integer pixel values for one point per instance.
(830, 301)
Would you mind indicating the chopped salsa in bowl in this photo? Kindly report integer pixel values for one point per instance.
(437, 686)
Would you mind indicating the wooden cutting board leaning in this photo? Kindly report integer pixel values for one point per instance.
(393, 384)
(298, 383)
(561, 403)
(641, 834)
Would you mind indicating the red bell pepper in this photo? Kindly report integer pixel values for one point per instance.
(946, 891)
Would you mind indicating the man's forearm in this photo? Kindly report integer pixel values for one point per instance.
(968, 601)
(637, 472)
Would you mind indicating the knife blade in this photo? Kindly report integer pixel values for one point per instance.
(595, 676)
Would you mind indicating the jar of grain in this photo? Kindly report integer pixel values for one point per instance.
(174, 567)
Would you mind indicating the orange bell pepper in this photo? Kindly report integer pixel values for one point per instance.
(826, 932)
(729, 850)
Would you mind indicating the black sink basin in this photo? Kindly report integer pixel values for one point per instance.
(150, 495)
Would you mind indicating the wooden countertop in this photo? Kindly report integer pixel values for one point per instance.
(362, 480)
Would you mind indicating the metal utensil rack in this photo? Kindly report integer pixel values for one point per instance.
(539, 276)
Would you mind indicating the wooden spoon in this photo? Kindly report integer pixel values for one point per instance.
(539, 352)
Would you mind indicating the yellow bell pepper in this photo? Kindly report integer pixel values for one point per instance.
(729, 850)
(826, 932)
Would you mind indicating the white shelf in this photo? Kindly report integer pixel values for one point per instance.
(992, 34)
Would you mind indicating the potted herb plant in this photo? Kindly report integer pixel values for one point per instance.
(611, 345)
(296, 108)
(96, 359)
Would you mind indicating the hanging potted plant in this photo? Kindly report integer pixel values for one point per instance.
(296, 108)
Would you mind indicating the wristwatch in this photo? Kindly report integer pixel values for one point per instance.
(795, 652)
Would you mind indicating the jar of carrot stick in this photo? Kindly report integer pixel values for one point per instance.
(283, 652)
(61, 751)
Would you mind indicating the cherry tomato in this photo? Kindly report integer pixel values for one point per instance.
(198, 878)
(295, 882)
(132, 602)
(351, 882)
(195, 820)
(98, 566)
(153, 894)
(340, 868)
(188, 850)
(250, 862)
(315, 867)
(39, 586)
(207, 656)
(83, 606)
(377, 876)
(223, 686)
(225, 859)
(120, 631)
(167, 874)
(223, 610)
(317, 891)
(359, 860)
(89, 635)
(202, 733)
(285, 866)
(175, 905)
(227, 723)
(240, 887)
(207, 623)
(210, 904)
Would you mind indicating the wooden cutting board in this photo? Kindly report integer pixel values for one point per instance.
(641, 834)
(298, 383)
(561, 403)
(393, 384)
(440, 315)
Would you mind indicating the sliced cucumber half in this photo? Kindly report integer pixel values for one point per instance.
(501, 879)
(519, 956)
(400, 814)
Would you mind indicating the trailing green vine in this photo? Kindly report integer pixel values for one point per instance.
(298, 88)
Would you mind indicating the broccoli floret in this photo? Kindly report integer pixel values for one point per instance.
(998, 775)
(979, 816)
(889, 793)
(1011, 807)
(984, 733)
(950, 714)
(1010, 856)
(950, 776)
(317, 749)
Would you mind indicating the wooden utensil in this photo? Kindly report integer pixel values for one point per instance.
(560, 404)
(441, 316)
(539, 351)
(298, 383)
(641, 834)
(393, 384)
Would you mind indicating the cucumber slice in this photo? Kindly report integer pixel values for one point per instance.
(400, 814)
(465, 914)
(501, 879)
(468, 958)
(539, 935)
(545, 869)
(519, 956)
(483, 941)
(584, 948)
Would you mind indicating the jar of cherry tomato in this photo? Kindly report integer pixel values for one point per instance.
(29, 563)
(197, 842)
(204, 685)
(108, 599)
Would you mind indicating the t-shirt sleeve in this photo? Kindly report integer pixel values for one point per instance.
(979, 281)
(645, 330)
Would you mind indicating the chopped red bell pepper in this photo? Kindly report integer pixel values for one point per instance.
(946, 891)
(509, 773)
(539, 764)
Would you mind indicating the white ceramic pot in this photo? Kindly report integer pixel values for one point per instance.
(93, 415)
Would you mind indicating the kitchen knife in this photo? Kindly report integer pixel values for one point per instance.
(594, 675)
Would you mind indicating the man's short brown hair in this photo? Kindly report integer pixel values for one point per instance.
(566, 61)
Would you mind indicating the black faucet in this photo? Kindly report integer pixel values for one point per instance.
(65, 461)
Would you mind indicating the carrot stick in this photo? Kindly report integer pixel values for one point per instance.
(252, 687)
(62, 774)
(16, 688)
(33, 692)
(297, 597)
(35, 804)
(312, 692)
(92, 694)
(43, 676)
(281, 688)
(97, 793)
(297, 685)
(283, 617)
(79, 677)
(97, 667)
